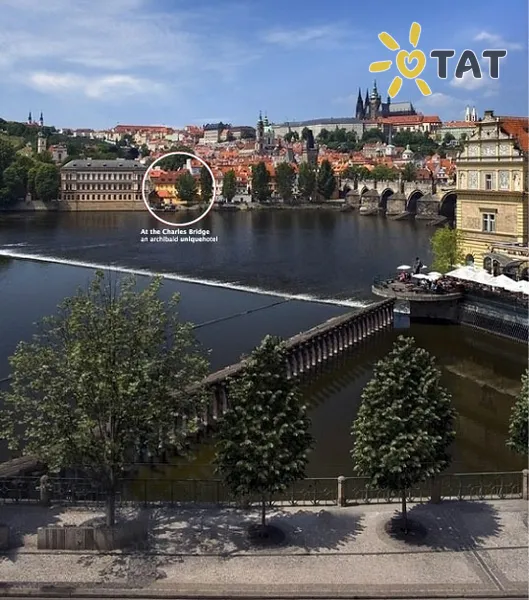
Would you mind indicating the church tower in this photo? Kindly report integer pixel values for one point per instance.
(374, 102)
(359, 106)
(41, 143)
(41, 120)
(30, 119)
(366, 105)
(259, 138)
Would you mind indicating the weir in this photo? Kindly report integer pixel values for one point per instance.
(308, 351)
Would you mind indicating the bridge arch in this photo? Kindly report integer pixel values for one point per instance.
(411, 203)
(384, 197)
(447, 206)
(363, 190)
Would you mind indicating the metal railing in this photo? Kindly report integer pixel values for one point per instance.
(341, 491)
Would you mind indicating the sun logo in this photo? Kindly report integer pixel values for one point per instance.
(404, 62)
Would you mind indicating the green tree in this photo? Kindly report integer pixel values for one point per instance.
(175, 162)
(47, 182)
(373, 135)
(7, 154)
(229, 185)
(305, 132)
(447, 248)
(285, 179)
(15, 181)
(518, 425)
(260, 182)
(186, 186)
(306, 181)
(356, 174)
(144, 151)
(112, 375)
(383, 173)
(326, 180)
(291, 136)
(409, 173)
(32, 176)
(448, 138)
(44, 157)
(405, 424)
(263, 439)
(206, 186)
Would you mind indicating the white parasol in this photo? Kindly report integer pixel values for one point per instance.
(434, 275)
(404, 268)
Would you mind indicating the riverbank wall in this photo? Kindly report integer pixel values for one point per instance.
(135, 206)
(492, 313)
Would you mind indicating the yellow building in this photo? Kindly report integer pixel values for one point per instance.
(164, 184)
(492, 194)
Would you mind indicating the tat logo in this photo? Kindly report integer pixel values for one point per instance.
(411, 64)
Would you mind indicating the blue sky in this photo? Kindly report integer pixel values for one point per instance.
(96, 63)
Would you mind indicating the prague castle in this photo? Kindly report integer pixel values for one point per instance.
(370, 113)
(373, 108)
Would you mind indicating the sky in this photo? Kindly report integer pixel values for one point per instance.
(97, 63)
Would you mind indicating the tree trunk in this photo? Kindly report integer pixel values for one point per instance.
(263, 511)
(404, 512)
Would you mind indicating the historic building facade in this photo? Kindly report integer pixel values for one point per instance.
(102, 181)
(492, 194)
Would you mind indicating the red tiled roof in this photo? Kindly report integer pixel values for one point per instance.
(517, 127)
(410, 119)
(455, 124)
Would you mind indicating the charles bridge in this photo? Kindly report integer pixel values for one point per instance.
(429, 200)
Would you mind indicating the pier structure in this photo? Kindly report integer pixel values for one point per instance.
(309, 351)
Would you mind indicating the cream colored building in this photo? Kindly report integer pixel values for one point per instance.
(492, 194)
(102, 181)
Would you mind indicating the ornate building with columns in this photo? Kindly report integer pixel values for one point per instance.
(492, 194)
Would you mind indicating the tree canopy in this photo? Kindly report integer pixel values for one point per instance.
(326, 180)
(405, 424)
(263, 439)
(261, 182)
(229, 185)
(518, 424)
(447, 249)
(285, 179)
(306, 181)
(113, 374)
(206, 185)
(186, 186)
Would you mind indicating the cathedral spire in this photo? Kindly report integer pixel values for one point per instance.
(30, 119)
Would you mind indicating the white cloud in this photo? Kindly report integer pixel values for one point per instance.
(103, 47)
(496, 41)
(446, 106)
(487, 86)
(291, 38)
(106, 87)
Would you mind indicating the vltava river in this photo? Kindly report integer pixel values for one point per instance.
(286, 271)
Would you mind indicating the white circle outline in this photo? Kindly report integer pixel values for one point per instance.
(146, 202)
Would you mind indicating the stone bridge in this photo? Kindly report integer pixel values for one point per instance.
(421, 199)
(309, 351)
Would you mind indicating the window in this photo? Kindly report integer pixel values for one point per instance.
(504, 180)
(489, 222)
(488, 181)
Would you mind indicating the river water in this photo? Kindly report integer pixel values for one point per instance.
(276, 272)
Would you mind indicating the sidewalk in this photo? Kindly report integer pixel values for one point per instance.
(469, 548)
